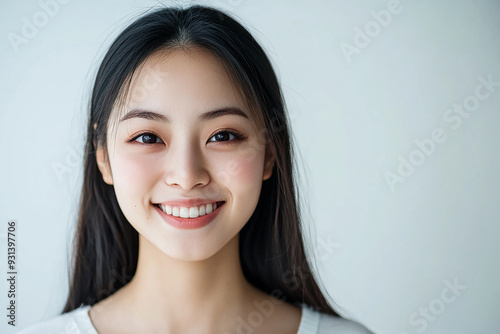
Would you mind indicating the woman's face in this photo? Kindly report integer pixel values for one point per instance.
(167, 147)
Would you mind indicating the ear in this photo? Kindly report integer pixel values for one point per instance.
(103, 165)
(268, 163)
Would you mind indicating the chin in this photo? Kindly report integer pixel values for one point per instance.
(190, 251)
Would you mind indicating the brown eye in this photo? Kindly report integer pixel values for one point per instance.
(148, 138)
(222, 136)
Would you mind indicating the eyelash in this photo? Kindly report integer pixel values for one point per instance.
(237, 136)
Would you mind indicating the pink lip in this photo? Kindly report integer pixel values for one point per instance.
(188, 202)
(189, 223)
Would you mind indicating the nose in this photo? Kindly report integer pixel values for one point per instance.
(185, 166)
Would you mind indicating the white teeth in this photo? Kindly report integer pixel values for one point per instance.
(175, 211)
(191, 212)
(184, 212)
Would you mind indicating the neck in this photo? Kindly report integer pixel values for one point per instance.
(190, 296)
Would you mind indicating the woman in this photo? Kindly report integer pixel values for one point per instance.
(188, 219)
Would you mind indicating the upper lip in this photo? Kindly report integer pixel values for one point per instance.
(189, 202)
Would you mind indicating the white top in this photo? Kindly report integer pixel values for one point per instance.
(311, 322)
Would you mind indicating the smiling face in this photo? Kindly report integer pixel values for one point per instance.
(185, 133)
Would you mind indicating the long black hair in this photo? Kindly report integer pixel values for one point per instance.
(271, 245)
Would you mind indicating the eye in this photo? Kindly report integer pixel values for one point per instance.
(226, 135)
(147, 138)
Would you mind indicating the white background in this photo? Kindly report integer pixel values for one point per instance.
(383, 254)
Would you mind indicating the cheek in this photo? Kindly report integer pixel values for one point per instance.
(242, 172)
(134, 175)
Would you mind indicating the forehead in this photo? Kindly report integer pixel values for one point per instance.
(188, 81)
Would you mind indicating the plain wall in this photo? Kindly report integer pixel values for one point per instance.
(400, 186)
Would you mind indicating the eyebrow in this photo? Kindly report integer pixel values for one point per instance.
(209, 115)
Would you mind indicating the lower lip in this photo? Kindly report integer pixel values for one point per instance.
(189, 223)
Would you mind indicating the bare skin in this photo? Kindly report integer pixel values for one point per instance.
(211, 296)
(188, 281)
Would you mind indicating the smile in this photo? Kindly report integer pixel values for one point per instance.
(191, 212)
(189, 218)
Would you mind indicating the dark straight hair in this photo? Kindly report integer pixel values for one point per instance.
(271, 246)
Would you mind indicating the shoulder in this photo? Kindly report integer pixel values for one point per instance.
(330, 324)
(314, 322)
(76, 321)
